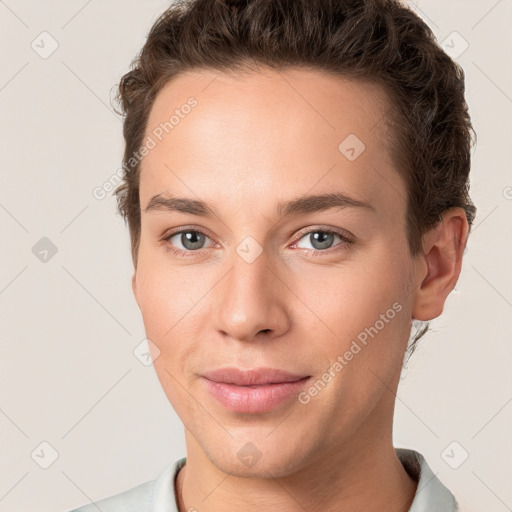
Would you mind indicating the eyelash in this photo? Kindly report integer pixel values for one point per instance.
(345, 242)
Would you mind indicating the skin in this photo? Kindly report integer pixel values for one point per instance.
(252, 141)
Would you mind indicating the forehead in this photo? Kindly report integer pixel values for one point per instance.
(258, 132)
(303, 96)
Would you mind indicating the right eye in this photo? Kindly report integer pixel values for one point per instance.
(191, 241)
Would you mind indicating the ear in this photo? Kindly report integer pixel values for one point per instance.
(134, 286)
(440, 263)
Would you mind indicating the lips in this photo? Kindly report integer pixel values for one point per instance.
(252, 377)
(254, 391)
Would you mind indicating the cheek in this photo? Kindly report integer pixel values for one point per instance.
(165, 296)
(348, 299)
(169, 318)
(367, 312)
(369, 327)
(172, 312)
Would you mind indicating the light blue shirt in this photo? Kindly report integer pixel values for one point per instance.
(160, 495)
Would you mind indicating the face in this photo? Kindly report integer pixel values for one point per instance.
(254, 278)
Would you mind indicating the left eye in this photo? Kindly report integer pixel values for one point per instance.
(321, 239)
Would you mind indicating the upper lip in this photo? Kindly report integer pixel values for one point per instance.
(253, 376)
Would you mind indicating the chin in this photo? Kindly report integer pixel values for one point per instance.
(250, 460)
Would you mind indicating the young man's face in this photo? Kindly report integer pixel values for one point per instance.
(263, 289)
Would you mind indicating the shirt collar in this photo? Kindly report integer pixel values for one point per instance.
(431, 495)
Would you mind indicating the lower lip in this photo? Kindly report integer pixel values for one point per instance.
(254, 399)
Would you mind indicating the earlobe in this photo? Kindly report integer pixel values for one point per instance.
(443, 249)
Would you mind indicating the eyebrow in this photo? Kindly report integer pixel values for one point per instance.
(300, 206)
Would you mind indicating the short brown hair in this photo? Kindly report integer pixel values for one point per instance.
(381, 41)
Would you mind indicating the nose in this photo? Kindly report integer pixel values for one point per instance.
(252, 301)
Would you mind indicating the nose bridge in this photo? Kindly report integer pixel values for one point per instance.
(250, 300)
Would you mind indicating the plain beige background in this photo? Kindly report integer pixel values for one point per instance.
(81, 416)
